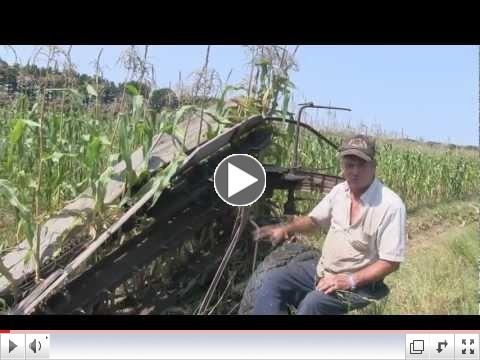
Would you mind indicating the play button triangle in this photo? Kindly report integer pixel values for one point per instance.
(11, 346)
(238, 180)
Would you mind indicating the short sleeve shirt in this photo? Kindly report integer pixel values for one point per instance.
(378, 234)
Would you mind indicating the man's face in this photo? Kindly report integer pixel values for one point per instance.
(358, 172)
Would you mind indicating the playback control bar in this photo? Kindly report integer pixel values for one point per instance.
(238, 345)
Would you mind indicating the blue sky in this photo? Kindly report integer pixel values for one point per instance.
(429, 92)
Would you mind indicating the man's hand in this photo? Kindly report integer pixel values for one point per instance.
(373, 272)
(276, 234)
(331, 283)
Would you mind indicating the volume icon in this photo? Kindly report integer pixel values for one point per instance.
(35, 346)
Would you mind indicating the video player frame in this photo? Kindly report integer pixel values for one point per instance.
(150, 228)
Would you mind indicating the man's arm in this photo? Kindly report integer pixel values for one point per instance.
(301, 224)
(372, 273)
(319, 216)
(278, 233)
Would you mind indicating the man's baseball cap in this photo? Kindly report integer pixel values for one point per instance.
(358, 145)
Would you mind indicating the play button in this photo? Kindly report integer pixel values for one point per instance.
(239, 180)
(11, 346)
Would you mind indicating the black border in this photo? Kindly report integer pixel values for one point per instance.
(258, 23)
(232, 322)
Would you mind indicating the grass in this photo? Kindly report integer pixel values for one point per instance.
(442, 279)
(440, 274)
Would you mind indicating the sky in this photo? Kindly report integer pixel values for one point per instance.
(424, 92)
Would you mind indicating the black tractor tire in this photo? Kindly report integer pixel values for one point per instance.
(280, 257)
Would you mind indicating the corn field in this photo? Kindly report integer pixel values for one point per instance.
(52, 151)
(51, 157)
(418, 174)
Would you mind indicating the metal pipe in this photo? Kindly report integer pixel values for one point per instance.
(297, 133)
(308, 127)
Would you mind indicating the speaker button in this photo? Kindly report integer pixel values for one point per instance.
(37, 346)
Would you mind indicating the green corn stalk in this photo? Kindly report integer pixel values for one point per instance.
(126, 153)
(8, 192)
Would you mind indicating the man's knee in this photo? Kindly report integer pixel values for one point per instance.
(270, 296)
(318, 303)
(274, 280)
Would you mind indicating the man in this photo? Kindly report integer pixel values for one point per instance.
(365, 243)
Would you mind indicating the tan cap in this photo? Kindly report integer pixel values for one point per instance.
(358, 145)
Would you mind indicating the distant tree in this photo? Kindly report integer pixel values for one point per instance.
(163, 98)
(3, 64)
(11, 79)
(142, 88)
(110, 92)
(3, 71)
(16, 80)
